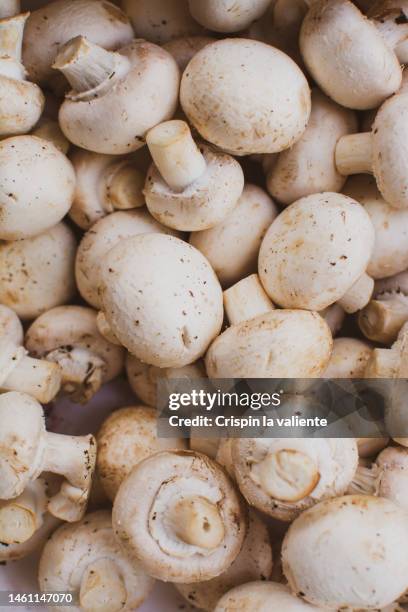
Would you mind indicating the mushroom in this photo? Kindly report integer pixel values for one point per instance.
(189, 188)
(18, 372)
(334, 316)
(183, 49)
(27, 449)
(254, 562)
(388, 10)
(37, 273)
(245, 97)
(348, 552)
(69, 337)
(351, 58)
(21, 102)
(22, 517)
(282, 477)
(57, 22)
(323, 242)
(49, 129)
(168, 313)
(262, 597)
(85, 559)
(206, 446)
(227, 15)
(104, 184)
(348, 359)
(232, 246)
(390, 362)
(383, 317)
(116, 97)
(263, 342)
(37, 184)
(125, 438)
(178, 513)
(309, 166)
(9, 8)
(161, 20)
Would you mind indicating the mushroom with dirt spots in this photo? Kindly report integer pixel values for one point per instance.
(227, 15)
(348, 359)
(262, 597)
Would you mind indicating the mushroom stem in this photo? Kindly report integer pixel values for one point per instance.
(384, 363)
(365, 481)
(102, 587)
(392, 25)
(246, 300)
(88, 67)
(123, 186)
(358, 295)
(382, 319)
(175, 154)
(9, 8)
(36, 377)
(354, 154)
(21, 517)
(11, 41)
(51, 131)
(197, 521)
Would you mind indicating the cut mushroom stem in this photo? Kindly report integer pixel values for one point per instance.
(83, 372)
(382, 319)
(358, 295)
(11, 41)
(392, 362)
(175, 154)
(102, 587)
(354, 154)
(123, 185)
(246, 300)
(197, 522)
(21, 517)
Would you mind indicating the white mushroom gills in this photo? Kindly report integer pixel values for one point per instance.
(197, 521)
(21, 517)
(358, 295)
(11, 41)
(354, 154)
(175, 154)
(102, 587)
(246, 300)
(392, 25)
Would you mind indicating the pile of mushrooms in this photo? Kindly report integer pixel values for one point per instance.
(193, 191)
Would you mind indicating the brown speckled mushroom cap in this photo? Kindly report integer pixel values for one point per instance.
(263, 597)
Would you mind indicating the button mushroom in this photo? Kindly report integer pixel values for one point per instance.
(84, 559)
(178, 513)
(168, 313)
(106, 111)
(69, 337)
(227, 15)
(183, 49)
(245, 97)
(189, 188)
(262, 597)
(366, 569)
(263, 342)
(390, 362)
(348, 359)
(323, 242)
(21, 517)
(27, 449)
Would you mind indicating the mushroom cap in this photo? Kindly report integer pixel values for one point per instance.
(161, 298)
(348, 551)
(262, 597)
(145, 96)
(37, 185)
(348, 359)
(390, 254)
(393, 476)
(347, 56)
(73, 327)
(205, 203)
(232, 246)
(10, 325)
(183, 49)
(227, 15)
(150, 492)
(101, 238)
(245, 97)
(288, 343)
(390, 154)
(309, 166)
(315, 250)
(21, 105)
(74, 547)
(37, 273)
(254, 562)
(125, 438)
(56, 23)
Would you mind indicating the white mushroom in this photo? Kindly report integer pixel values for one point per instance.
(348, 359)
(227, 15)
(232, 246)
(323, 242)
(37, 273)
(171, 309)
(334, 316)
(262, 597)
(390, 362)
(49, 129)
(85, 559)
(9, 8)
(189, 188)
(245, 97)
(263, 342)
(69, 337)
(394, 13)
(27, 449)
(183, 49)
(37, 184)
(22, 517)
(178, 513)
(348, 552)
(116, 97)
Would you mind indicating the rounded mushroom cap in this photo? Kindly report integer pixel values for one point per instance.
(146, 95)
(390, 254)
(245, 97)
(323, 242)
(72, 552)
(393, 475)
(227, 15)
(347, 56)
(10, 325)
(168, 312)
(184, 49)
(309, 166)
(59, 21)
(101, 238)
(178, 513)
(37, 273)
(262, 597)
(288, 343)
(232, 246)
(349, 358)
(37, 185)
(125, 438)
(317, 549)
(21, 105)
